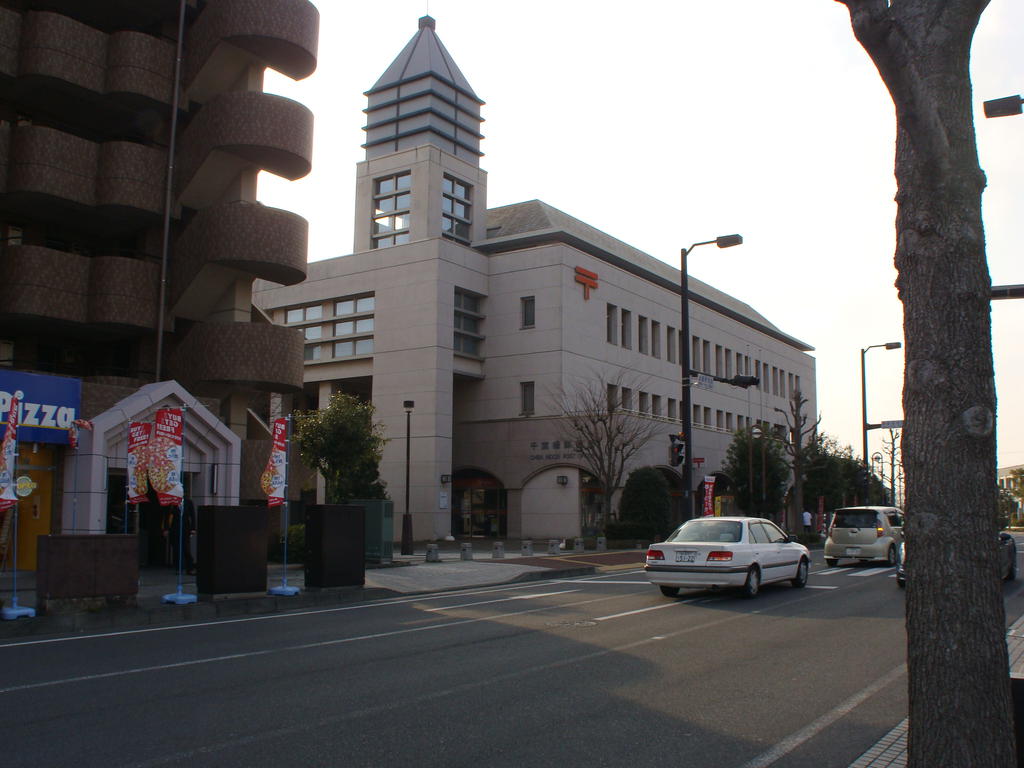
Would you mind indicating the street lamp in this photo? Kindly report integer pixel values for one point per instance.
(407, 517)
(864, 407)
(723, 241)
(1004, 107)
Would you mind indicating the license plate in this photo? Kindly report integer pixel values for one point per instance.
(853, 550)
(688, 556)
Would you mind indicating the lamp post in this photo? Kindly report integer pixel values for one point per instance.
(407, 516)
(864, 408)
(723, 241)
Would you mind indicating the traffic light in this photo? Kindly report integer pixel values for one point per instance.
(744, 381)
(676, 449)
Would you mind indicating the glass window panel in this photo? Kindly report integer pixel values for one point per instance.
(346, 307)
(402, 239)
(383, 225)
(364, 347)
(294, 316)
(404, 181)
(446, 184)
(446, 204)
(314, 332)
(343, 348)
(384, 205)
(312, 352)
(365, 304)
(314, 313)
(383, 242)
(402, 201)
(401, 221)
(446, 224)
(462, 229)
(385, 186)
(460, 190)
(462, 210)
(345, 328)
(365, 325)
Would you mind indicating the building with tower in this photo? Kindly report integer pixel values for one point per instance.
(489, 319)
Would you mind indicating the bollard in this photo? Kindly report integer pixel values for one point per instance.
(433, 555)
(553, 546)
(577, 545)
(526, 549)
(467, 551)
(499, 549)
(602, 544)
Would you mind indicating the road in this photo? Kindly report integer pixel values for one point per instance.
(598, 671)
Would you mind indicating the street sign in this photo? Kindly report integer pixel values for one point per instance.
(705, 382)
(898, 424)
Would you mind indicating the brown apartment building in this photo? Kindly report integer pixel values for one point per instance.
(121, 292)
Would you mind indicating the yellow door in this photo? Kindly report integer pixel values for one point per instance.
(35, 509)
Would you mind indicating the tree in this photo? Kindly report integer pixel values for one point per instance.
(959, 691)
(343, 443)
(758, 471)
(645, 503)
(795, 446)
(607, 435)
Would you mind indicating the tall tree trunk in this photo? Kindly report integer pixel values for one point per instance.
(960, 709)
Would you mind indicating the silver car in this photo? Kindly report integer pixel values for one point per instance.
(865, 533)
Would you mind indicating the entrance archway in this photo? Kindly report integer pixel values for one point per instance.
(479, 505)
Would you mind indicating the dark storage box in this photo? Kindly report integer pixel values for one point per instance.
(335, 546)
(231, 550)
(82, 571)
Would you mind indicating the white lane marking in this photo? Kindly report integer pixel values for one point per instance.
(500, 600)
(831, 571)
(805, 734)
(872, 571)
(630, 583)
(298, 647)
(820, 586)
(641, 610)
(382, 603)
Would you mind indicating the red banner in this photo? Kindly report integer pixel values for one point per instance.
(709, 495)
(274, 476)
(165, 457)
(138, 466)
(8, 497)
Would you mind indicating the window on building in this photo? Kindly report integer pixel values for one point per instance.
(527, 310)
(739, 364)
(526, 397)
(314, 332)
(344, 348)
(670, 344)
(303, 314)
(707, 416)
(611, 319)
(642, 341)
(775, 380)
(645, 402)
(392, 202)
(613, 397)
(719, 419)
(455, 209)
(796, 380)
(468, 321)
(782, 383)
(696, 360)
(627, 399)
(706, 356)
(626, 329)
(719, 364)
(364, 346)
(671, 408)
(311, 352)
(728, 421)
(656, 405)
(696, 415)
(655, 339)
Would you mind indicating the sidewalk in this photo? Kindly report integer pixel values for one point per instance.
(408, 574)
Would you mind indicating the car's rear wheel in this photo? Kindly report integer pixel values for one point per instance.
(669, 591)
(890, 557)
(753, 583)
(901, 583)
(800, 580)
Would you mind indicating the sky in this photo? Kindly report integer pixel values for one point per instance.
(668, 123)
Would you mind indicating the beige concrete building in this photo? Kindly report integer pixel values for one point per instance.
(487, 319)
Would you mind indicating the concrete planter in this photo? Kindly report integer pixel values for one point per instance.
(86, 572)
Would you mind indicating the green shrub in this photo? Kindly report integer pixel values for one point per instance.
(644, 505)
(296, 545)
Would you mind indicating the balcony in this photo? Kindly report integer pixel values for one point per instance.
(139, 67)
(123, 292)
(216, 358)
(238, 130)
(231, 35)
(54, 46)
(45, 161)
(245, 237)
(131, 176)
(43, 283)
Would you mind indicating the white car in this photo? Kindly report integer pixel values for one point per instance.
(716, 552)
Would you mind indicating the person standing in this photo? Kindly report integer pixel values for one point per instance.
(807, 522)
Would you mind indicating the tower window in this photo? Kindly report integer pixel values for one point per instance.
(456, 211)
(392, 203)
